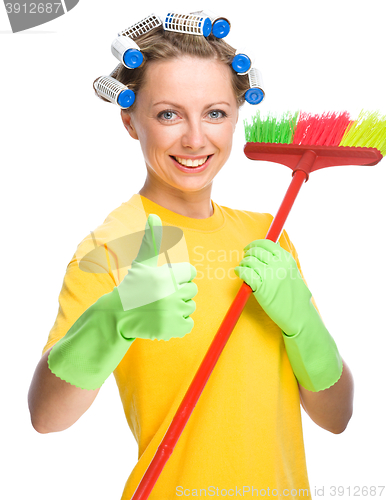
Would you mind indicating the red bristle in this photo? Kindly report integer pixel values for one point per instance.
(341, 122)
(301, 127)
(321, 130)
(328, 123)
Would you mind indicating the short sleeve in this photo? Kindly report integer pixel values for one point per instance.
(79, 291)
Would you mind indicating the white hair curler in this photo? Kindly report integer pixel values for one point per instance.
(114, 91)
(127, 52)
(190, 24)
(124, 47)
(242, 62)
(221, 26)
(255, 94)
(148, 24)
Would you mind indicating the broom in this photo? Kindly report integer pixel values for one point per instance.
(304, 143)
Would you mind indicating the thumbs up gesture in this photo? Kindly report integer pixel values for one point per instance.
(159, 298)
(151, 303)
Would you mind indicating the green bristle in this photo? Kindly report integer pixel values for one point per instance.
(271, 129)
(368, 131)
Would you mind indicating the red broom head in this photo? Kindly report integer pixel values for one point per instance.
(332, 137)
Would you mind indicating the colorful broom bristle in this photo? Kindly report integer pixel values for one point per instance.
(271, 129)
(327, 129)
(321, 130)
(368, 131)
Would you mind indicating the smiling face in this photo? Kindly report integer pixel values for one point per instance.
(185, 116)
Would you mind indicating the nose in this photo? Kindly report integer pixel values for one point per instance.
(194, 136)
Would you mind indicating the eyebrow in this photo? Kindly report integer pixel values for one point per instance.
(175, 105)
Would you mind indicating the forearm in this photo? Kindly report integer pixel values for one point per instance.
(55, 404)
(331, 408)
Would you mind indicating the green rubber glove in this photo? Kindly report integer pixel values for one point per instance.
(160, 308)
(279, 288)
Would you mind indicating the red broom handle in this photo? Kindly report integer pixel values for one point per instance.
(197, 385)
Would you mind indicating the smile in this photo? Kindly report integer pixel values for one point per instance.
(188, 162)
(192, 165)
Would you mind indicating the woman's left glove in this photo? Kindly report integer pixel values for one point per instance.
(278, 286)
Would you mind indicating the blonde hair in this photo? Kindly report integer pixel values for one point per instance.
(159, 44)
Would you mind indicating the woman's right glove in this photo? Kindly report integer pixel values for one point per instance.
(151, 302)
(278, 286)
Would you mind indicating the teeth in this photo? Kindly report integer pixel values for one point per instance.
(190, 163)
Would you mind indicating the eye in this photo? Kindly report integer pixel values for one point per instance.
(216, 114)
(167, 115)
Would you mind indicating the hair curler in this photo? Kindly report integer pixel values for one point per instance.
(124, 47)
(138, 29)
(242, 62)
(221, 26)
(190, 24)
(114, 91)
(255, 94)
(127, 52)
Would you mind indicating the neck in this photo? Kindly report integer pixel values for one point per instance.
(193, 204)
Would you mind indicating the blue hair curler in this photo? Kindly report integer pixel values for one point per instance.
(114, 91)
(125, 98)
(221, 28)
(132, 58)
(255, 94)
(242, 62)
(127, 52)
(220, 25)
(124, 47)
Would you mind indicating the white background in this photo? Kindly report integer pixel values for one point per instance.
(67, 161)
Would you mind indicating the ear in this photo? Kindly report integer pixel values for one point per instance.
(127, 119)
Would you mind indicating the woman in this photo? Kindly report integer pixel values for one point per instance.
(245, 434)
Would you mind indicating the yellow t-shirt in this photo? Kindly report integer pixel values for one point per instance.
(245, 433)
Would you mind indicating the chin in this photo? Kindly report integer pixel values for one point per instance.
(192, 186)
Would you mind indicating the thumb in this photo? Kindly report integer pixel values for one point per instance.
(151, 242)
